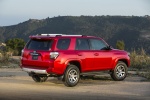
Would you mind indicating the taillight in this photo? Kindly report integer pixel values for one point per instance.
(54, 55)
(22, 51)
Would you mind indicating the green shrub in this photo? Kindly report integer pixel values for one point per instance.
(120, 45)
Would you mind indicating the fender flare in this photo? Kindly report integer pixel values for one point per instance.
(116, 61)
(67, 62)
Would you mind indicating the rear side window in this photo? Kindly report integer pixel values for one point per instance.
(63, 44)
(36, 44)
(82, 44)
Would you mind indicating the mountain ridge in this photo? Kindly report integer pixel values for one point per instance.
(133, 30)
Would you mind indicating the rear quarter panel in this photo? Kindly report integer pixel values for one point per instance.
(65, 56)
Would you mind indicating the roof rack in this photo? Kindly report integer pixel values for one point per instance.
(55, 35)
(50, 34)
(71, 35)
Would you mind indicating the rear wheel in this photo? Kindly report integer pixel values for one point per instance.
(37, 78)
(72, 76)
(120, 71)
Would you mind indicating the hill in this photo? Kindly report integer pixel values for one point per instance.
(133, 30)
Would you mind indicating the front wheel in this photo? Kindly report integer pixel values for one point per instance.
(72, 76)
(37, 78)
(120, 71)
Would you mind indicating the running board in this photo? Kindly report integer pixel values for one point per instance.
(95, 73)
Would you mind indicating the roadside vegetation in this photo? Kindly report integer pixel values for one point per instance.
(7, 61)
(10, 53)
(140, 62)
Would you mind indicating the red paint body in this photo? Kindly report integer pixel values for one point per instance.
(88, 60)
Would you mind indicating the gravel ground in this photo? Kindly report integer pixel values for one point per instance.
(17, 85)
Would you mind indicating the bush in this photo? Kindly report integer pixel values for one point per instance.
(120, 45)
(7, 61)
(4, 59)
(140, 61)
(15, 45)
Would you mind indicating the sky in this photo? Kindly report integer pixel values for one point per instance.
(16, 11)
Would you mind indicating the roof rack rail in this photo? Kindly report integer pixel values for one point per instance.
(71, 35)
(55, 35)
(51, 34)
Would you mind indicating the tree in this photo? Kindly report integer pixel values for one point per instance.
(15, 45)
(120, 45)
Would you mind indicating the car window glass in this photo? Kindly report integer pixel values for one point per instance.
(63, 44)
(97, 44)
(36, 44)
(82, 44)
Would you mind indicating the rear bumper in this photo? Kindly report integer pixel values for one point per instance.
(37, 71)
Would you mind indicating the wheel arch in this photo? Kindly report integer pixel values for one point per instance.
(73, 62)
(123, 60)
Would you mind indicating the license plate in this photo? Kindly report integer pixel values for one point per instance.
(34, 57)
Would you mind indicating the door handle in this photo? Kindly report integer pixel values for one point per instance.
(96, 54)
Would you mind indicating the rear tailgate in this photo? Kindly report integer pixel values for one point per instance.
(37, 54)
(36, 59)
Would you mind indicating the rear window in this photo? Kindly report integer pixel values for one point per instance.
(36, 44)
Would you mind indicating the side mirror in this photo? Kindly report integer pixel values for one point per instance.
(111, 47)
(107, 48)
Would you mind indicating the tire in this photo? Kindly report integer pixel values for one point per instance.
(120, 71)
(37, 78)
(71, 76)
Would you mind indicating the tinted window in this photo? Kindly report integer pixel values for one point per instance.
(63, 44)
(82, 44)
(36, 44)
(97, 44)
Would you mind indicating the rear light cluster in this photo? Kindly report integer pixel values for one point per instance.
(54, 55)
(22, 51)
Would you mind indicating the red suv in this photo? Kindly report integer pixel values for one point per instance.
(70, 56)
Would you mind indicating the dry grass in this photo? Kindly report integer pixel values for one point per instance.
(140, 62)
(9, 62)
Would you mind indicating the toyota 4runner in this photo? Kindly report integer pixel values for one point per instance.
(70, 56)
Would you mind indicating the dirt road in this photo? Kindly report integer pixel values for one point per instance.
(17, 85)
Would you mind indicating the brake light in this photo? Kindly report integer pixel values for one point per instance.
(54, 55)
(22, 51)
